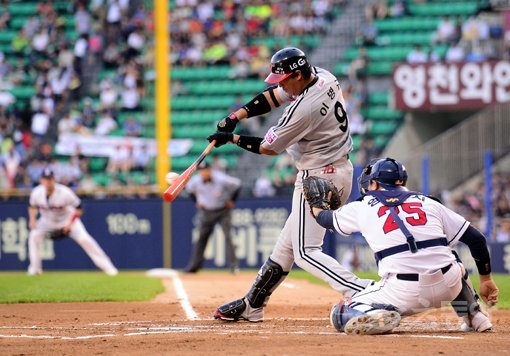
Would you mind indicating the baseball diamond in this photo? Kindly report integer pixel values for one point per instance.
(296, 322)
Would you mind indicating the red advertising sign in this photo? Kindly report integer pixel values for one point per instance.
(449, 86)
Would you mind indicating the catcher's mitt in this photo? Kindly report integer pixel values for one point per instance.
(321, 193)
(57, 234)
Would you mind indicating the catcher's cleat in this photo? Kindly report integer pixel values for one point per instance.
(373, 323)
(479, 323)
(239, 310)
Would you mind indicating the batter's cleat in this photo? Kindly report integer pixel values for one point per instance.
(239, 310)
(479, 323)
(373, 323)
(112, 271)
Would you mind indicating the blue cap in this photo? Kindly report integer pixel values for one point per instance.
(47, 173)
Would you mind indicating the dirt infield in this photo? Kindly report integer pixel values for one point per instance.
(179, 322)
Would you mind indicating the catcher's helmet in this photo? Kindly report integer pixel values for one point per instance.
(285, 62)
(385, 171)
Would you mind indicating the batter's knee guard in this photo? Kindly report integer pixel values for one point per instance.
(357, 318)
(269, 277)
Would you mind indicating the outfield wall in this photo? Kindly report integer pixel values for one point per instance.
(132, 233)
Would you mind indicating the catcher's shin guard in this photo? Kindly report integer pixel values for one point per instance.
(467, 306)
(370, 322)
(268, 279)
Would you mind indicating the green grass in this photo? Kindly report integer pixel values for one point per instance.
(55, 287)
(502, 281)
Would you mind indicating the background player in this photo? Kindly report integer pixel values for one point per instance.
(315, 131)
(214, 193)
(412, 236)
(60, 209)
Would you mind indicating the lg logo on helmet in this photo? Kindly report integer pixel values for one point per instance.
(300, 62)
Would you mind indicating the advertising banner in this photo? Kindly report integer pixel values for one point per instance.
(451, 86)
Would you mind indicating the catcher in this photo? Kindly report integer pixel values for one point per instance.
(60, 210)
(412, 236)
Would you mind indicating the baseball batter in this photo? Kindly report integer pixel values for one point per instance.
(314, 129)
(412, 236)
(59, 209)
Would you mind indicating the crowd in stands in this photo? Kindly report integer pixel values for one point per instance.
(233, 32)
(471, 204)
(61, 63)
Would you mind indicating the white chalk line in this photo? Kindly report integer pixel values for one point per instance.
(217, 328)
(182, 296)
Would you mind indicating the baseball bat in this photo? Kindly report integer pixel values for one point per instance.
(180, 182)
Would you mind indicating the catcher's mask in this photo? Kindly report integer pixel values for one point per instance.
(285, 62)
(385, 171)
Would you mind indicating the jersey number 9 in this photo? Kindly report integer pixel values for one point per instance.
(341, 116)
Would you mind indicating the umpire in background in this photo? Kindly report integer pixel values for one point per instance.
(214, 193)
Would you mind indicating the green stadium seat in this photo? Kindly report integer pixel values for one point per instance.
(383, 127)
(403, 39)
(198, 132)
(381, 113)
(6, 36)
(97, 164)
(23, 92)
(22, 8)
(407, 23)
(378, 98)
(444, 8)
(101, 178)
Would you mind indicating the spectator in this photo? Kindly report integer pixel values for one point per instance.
(106, 124)
(455, 53)
(40, 123)
(263, 187)
(66, 125)
(130, 99)
(82, 20)
(446, 31)
(417, 56)
(369, 34)
(398, 8)
(141, 158)
(6, 98)
(503, 231)
(119, 160)
(108, 95)
(131, 127)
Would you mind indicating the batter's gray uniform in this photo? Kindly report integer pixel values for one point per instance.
(55, 213)
(212, 197)
(315, 131)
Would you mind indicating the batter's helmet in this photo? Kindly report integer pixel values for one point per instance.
(385, 171)
(285, 62)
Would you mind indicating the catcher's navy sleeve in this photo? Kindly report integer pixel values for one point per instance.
(325, 219)
(478, 247)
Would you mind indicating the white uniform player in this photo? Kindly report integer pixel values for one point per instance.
(59, 209)
(412, 236)
(315, 131)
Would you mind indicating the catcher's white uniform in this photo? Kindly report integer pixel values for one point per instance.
(439, 274)
(315, 131)
(55, 213)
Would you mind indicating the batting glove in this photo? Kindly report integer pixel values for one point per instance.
(221, 138)
(228, 124)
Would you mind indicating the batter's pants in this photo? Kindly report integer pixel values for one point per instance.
(302, 237)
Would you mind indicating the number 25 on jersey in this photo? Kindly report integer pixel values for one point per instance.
(417, 216)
